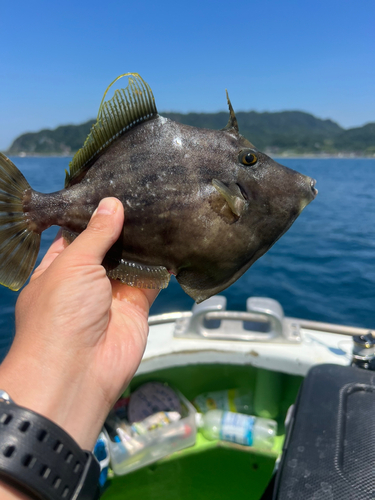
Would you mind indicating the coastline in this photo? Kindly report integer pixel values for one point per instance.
(272, 154)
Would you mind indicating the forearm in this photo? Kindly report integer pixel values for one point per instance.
(79, 337)
(65, 397)
(63, 394)
(9, 493)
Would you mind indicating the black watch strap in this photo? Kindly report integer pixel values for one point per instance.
(40, 458)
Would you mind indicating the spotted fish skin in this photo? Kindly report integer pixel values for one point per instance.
(194, 206)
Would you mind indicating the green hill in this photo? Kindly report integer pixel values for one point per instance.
(358, 139)
(286, 132)
(287, 129)
(62, 140)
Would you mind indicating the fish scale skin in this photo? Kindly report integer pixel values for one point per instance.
(162, 172)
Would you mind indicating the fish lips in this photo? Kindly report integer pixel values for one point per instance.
(314, 191)
(310, 194)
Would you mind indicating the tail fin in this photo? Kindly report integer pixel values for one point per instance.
(19, 245)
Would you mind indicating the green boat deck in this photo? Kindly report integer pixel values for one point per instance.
(212, 469)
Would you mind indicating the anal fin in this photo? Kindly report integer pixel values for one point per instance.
(140, 275)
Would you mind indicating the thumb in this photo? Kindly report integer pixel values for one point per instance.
(101, 233)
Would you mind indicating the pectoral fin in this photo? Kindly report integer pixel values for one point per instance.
(232, 195)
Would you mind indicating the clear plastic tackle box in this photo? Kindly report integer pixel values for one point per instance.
(127, 456)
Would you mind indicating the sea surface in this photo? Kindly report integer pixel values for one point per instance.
(322, 269)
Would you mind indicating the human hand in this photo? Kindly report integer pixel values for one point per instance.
(79, 336)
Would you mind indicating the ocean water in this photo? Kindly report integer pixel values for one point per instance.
(322, 269)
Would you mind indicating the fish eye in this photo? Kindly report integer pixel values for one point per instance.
(247, 158)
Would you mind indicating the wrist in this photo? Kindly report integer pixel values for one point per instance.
(64, 394)
(8, 492)
(41, 459)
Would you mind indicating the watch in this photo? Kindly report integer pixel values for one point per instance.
(40, 459)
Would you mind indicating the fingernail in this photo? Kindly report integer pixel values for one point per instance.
(108, 206)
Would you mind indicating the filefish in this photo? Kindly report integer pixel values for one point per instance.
(200, 204)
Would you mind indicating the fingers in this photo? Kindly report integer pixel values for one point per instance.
(91, 246)
(101, 233)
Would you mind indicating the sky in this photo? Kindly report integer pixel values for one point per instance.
(57, 58)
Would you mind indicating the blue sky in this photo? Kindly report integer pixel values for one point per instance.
(57, 58)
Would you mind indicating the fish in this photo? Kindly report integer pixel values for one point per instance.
(199, 204)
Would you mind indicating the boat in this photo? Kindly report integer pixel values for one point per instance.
(210, 348)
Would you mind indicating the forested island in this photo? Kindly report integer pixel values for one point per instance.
(289, 133)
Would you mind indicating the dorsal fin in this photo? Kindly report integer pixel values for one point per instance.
(127, 108)
(232, 122)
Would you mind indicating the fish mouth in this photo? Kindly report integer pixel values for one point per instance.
(312, 186)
